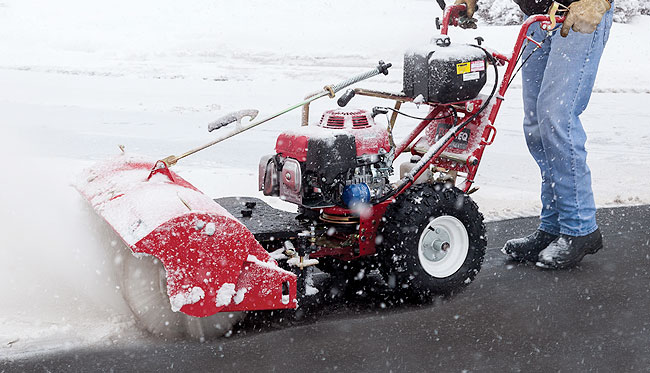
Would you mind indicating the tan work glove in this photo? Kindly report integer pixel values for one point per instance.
(584, 16)
(471, 6)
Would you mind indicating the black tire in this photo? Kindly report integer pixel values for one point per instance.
(144, 287)
(440, 260)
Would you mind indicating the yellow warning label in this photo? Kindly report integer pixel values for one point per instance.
(463, 68)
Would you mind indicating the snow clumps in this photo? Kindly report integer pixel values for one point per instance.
(189, 297)
(225, 294)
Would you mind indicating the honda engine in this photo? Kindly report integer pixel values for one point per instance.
(341, 161)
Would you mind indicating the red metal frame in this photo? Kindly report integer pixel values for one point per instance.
(451, 15)
(369, 225)
(418, 130)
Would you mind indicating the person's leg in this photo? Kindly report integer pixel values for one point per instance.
(529, 247)
(564, 95)
(532, 74)
(565, 91)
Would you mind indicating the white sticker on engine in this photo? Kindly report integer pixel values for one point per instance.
(477, 66)
(471, 76)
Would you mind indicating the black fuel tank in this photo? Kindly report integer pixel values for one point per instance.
(444, 72)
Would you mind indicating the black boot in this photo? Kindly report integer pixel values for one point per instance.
(567, 251)
(529, 247)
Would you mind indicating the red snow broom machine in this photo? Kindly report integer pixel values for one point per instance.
(198, 263)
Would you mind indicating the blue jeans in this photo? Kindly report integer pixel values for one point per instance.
(557, 83)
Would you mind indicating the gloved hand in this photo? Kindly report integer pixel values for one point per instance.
(471, 6)
(584, 16)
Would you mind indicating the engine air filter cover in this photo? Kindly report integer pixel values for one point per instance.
(341, 118)
(443, 72)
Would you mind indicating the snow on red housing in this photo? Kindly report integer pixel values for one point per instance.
(203, 248)
(359, 123)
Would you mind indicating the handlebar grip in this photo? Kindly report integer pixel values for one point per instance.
(346, 97)
(382, 68)
(221, 122)
(233, 117)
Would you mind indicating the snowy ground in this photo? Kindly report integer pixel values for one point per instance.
(79, 77)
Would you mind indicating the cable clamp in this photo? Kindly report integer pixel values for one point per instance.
(330, 91)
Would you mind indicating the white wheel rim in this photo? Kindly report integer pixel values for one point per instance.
(443, 246)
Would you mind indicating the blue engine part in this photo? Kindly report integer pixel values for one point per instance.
(356, 194)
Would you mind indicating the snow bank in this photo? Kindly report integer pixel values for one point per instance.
(67, 32)
(507, 12)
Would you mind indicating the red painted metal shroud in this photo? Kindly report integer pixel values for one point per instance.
(213, 262)
(369, 137)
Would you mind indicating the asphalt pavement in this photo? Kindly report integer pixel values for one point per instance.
(513, 317)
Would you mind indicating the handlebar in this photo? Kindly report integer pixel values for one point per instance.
(453, 15)
(382, 68)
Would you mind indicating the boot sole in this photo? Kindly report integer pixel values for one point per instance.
(524, 257)
(515, 256)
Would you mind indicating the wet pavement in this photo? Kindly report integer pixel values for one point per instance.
(513, 317)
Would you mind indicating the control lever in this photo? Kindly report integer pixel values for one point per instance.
(379, 110)
(235, 116)
(346, 97)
